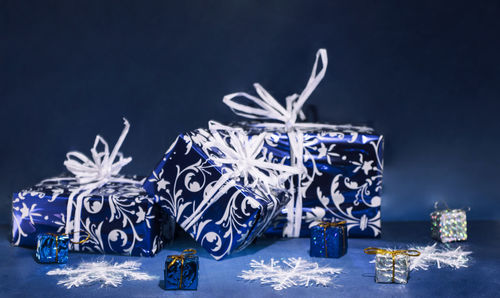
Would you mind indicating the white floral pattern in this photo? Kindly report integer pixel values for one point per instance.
(116, 216)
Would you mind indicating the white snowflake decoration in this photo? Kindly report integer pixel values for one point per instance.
(429, 255)
(106, 273)
(291, 272)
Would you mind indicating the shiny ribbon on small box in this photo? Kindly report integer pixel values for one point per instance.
(180, 258)
(56, 239)
(393, 254)
(325, 225)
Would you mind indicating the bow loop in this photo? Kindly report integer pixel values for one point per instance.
(102, 166)
(241, 153)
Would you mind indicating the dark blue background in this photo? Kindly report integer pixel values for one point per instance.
(426, 75)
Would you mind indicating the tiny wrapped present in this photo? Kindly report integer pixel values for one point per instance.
(181, 271)
(114, 210)
(220, 189)
(341, 165)
(52, 248)
(391, 266)
(328, 240)
(449, 225)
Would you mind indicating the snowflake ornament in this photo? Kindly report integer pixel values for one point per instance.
(106, 273)
(290, 273)
(429, 255)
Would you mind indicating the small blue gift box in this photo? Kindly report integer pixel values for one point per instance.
(51, 248)
(329, 240)
(181, 271)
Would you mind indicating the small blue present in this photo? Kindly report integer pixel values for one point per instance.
(52, 248)
(329, 240)
(181, 271)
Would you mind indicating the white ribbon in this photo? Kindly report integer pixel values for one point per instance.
(240, 162)
(91, 174)
(269, 109)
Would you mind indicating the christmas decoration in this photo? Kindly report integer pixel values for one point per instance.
(328, 240)
(341, 165)
(447, 257)
(113, 209)
(449, 225)
(391, 266)
(219, 187)
(53, 248)
(292, 272)
(181, 271)
(105, 273)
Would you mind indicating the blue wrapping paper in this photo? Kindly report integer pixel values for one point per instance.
(119, 217)
(180, 183)
(52, 248)
(328, 241)
(181, 274)
(343, 180)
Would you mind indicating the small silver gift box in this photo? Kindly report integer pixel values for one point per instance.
(449, 225)
(391, 266)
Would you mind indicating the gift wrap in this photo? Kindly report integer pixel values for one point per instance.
(119, 217)
(449, 225)
(342, 179)
(182, 182)
(328, 240)
(342, 164)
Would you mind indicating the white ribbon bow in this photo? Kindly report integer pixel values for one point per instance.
(240, 162)
(269, 109)
(93, 173)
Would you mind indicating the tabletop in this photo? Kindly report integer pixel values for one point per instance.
(21, 276)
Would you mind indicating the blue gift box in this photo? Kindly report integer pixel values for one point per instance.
(51, 248)
(181, 183)
(181, 271)
(342, 164)
(343, 179)
(328, 240)
(119, 217)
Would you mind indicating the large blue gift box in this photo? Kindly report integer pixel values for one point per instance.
(343, 179)
(341, 165)
(119, 217)
(221, 217)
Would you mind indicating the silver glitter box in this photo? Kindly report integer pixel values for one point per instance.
(387, 272)
(449, 225)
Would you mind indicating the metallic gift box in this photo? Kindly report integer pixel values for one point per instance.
(391, 266)
(119, 217)
(449, 225)
(328, 240)
(181, 271)
(51, 248)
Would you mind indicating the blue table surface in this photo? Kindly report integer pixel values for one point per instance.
(21, 276)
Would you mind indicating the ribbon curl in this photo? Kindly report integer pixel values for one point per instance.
(240, 162)
(393, 254)
(180, 258)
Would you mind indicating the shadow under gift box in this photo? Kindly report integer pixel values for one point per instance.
(180, 183)
(119, 217)
(344, 176)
